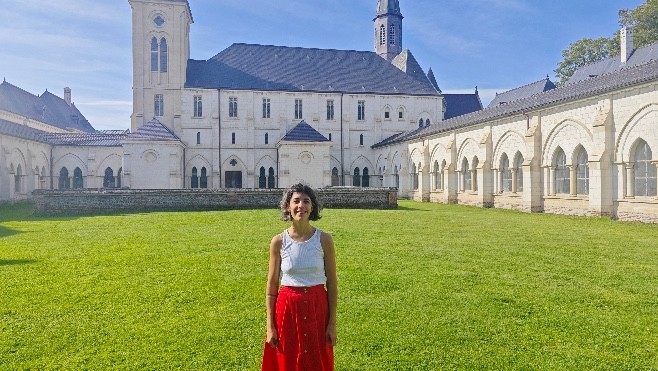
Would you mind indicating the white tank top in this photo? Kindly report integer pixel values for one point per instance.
(302, 263)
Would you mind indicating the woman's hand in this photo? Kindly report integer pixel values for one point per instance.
(330, 334)
(272, 337)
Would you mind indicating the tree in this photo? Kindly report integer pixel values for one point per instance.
(643, 20)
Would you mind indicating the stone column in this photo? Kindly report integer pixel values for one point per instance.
(474, 180)
(514, 175)
(630, 180)
(551, 179)
(573, 181)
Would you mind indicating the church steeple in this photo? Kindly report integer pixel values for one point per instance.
(388, 29)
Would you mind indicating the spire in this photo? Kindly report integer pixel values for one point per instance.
(385, 7)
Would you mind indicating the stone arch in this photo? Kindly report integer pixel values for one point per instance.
(641, 125)
(113, 161)
(468, 149)
(70, 161)
(567, 135)
(198, 161)
(439, 153)
(510, 143)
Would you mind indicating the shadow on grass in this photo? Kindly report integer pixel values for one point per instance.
(16, 262)
(6, 232)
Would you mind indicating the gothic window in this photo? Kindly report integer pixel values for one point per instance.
(562, 176)
(267, 138)
(108, 179)
(262, 179)
(266, 108)
(17, 179)
(505, 174)
(330, 110)
(391, 34)
(233, 179)
(427, 122)
(387, 114)
(270, 178)
(582, 173)
(466, 176)
(420, 123)
(382, 35)
(396, 176)
(194, 181)
(119, 175)
(158, 103)
(298, 109)
(198, 137)
(232, 138)
(330, 137)
(203, 180)
(361, 139)
(198, 106)
(356, 179)
(154, 55)
(361, 111)
(436, 172)
(335, 181)
(414, 177)
(233, 107)
(518, 165)
(77, 178)
(163, 55)
(645, 171)
(64, 179)
(365, 181)
(474, 174)
(401, 113)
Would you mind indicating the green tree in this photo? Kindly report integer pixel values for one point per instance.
(643, 20)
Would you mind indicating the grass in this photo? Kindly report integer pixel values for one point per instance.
(424, 287)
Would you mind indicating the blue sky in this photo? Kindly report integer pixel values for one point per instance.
(495, 45)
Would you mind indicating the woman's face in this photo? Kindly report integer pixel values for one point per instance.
(300, 206)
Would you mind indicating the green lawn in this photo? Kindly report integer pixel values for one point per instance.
(424, 287)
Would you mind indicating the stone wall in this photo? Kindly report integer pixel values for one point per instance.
(102, 201)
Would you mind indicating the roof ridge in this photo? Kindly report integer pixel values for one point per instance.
(19, 88)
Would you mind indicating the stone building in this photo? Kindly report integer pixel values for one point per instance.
(260, 116)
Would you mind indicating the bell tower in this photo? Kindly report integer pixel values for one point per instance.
(161, 49)
(388, 29)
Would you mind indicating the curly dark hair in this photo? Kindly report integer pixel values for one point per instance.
(300, 188)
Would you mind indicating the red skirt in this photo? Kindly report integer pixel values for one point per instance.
(301, 322)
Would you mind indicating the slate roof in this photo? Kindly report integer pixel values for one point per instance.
(47, 108)
(408, 64)
(97, 139)
(612, 64)
(267, 67)
(153, 130)
(522, 92)
(21, 131)
(594, 86)
(303, 132)
(388, 7)
(461, 104)
(430, 76)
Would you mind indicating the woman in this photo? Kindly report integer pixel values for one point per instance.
(301, 316)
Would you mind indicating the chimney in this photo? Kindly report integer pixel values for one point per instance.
(67, 95)
(626, 41)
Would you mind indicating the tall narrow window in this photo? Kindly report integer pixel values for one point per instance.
(467, 185)
(267, 138)
(17, 179)
(198, 106)
(382, 35)
(270, 178)
(262, 179)
(427, 122)
(335, 180)
(562, 176)
(361, 111)
(645, 171)
(233, 107)
(582, 173)
(365, 178)
(420, 123)
(391, 35)
(437, 176)
(64, 179)
(356, 179)
(298, 109)
(78, 181)
(387, 114)
(194, 181)
(163, 55)
(401, 114)
(198, 137)
(518, 165)
(266, 108)
(505, 174)
(232, 138)
(108, 179)
(330, 137)
(361, 139)
(159, 105)
(330, 110)
(154, 55)
(414, 177)
(203, 180)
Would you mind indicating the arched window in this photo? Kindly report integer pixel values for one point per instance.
(270, 178)
(17, 179)
(198, 137)
(335, 180)
(267, 138)
(77, 178)
(427, 122)
(108, 179)
(437, 175)
(396, 176)
(562, 176)
(361, 139)
(414, 177)
(194, 181)
(474, 174)
(420, 123)
(645, 171)
(365, 182)
(154, 55)
(382, 35)
(262, 179)
(203, 180)
(356, 179)
(391, 34)
(119, 176)
(518, 165)
(582, 173)
(163, 55)
(64, 179)
(505, 174)
(466, 176)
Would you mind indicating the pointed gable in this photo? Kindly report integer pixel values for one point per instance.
(461, 104)
(303, 132)
(153, 130)
(407, 63)
(430, 76)
(522, 92)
